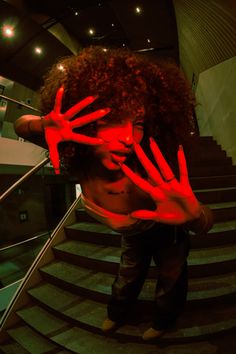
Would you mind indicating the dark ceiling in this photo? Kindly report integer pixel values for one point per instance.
(61, 28)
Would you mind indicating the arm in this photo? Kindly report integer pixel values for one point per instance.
(31, 128)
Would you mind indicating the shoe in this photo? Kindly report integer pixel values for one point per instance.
(109, 326)
(152, 333)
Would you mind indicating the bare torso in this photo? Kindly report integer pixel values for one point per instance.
(120, 196)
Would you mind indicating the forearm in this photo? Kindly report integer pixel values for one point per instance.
(202, 224)
(31, 128)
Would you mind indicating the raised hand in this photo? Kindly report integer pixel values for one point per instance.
(58, 126)
(175, 200)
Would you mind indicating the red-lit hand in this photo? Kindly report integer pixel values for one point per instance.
(175, 200)
(58, 126)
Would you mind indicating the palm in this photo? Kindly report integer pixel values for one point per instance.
(175, 200)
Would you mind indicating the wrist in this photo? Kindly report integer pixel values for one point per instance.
(203, 223)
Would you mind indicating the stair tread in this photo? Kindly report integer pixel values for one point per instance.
(39, 318)
(223, 226)
(98, 282)
(94, 227)
(90, 227)
(13, 348)
(220, 189)
(92, 313)
(31, 340)
(112, 254)
(223, 205)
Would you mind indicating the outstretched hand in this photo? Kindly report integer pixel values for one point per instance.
(175, 200)
(58, 126)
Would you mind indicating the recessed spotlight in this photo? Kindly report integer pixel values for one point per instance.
(76, 13)
(138, 10)
(104, 49)
(123, 45)
(112, 25)
(91, 31)
(8, 31)
(60, 67)
(38, 50)
(149, 40)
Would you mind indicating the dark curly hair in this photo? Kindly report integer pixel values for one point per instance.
(131, 85)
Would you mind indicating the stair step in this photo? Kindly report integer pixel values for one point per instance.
(215, 158)
(217, 170)
(221, 233)
(213, 181)
(88, 314)
(97, 285)
(37, 317)
(201, 262)
(93, 232)
(31, 340)
(216, 195)
(223, 211)
(13, 348)
(73, 338)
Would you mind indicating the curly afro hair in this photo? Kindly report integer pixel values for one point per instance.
(131, 85)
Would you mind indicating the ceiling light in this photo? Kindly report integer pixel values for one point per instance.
(91, 31)
(76, 13)
(8, 31)
(104, 49)
(149, 40)
(138, 10)
(112, 25)
(38, 50)
(60, 67)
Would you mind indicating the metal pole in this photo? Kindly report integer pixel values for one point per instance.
(24, 178)
(20, 103)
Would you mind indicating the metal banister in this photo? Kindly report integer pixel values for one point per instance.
(19, 103)
(24, 242)
(24, 178)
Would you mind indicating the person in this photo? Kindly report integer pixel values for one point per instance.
(120, 123)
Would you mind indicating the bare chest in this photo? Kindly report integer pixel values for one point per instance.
(119, 197)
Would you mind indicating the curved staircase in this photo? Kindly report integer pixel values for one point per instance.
(62, 302)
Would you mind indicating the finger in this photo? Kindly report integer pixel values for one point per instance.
(83, 139)
(144, 215)
(148, 165)
(154, 192)
(79, 122)
(58, 100)
(160, 160)
(54, 157)
(183, 169)
(79, 106)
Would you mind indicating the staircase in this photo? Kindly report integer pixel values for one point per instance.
(63, 306)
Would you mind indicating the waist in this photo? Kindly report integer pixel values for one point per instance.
(122, 223)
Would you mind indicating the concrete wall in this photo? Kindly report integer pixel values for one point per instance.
(14, 152)
(206, 33)
(216, 110)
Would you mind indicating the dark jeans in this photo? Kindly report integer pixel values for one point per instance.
(169, 247)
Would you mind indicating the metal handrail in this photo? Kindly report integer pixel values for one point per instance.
(25, 241)
(24, 178)
(19, 103)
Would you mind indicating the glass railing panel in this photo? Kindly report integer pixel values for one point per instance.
(16, 259)
(28, 216)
